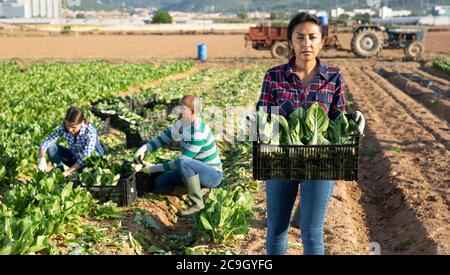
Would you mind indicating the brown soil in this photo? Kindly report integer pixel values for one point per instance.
(405, 179)
(161, 47)
(401, 198)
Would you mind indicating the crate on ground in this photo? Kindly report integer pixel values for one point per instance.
(99, 113)
(105, 127)
(145, 137)
(306, 162)
(145, 183)
(169, 104)
(134, 139)
(124, 193)
(134, 104)
(120, 123)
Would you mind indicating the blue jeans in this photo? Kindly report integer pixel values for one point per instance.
(186, 168)
(166, 182)
(281, 194)
(60, 155)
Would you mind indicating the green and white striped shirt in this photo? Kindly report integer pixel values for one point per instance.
(197, 142)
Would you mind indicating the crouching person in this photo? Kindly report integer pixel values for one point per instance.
(199, 164)
(82, 138)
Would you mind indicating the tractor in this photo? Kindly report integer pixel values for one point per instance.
(369, 40)
(275, 39)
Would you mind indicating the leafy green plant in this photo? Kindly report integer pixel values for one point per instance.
(107, 211)
(32, 213)
(227, 214)
(8, 166)
(443, 65)
(142, 218)
(25, 94)
(311, 127)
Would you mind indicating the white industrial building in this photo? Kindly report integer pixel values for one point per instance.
(11, 9)
(386, 12)
(31, 8)
(383, 12)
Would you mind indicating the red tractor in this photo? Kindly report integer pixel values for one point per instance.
(275, 39)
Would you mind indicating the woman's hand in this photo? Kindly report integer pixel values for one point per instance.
(42, 166)
(140, 153)
(360, 121)
(72, 169)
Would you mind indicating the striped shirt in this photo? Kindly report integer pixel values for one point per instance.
(196, 141)
(81, 146)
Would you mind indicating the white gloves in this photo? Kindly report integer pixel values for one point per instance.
(140, 153)
(251, 116)
(248, 126)
(360, 121)
(42, 166)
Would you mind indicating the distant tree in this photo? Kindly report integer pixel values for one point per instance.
(162, 17)
(343, 17)
(273, 16)
(365, 18)
(80, 15)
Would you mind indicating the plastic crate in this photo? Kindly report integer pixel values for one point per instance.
(124, 193)
(303, 162)
(134, 104)
(98, 113)
(133, 139)
(120, 124)
(144, 182)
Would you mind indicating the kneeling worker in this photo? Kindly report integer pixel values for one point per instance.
(199, 164)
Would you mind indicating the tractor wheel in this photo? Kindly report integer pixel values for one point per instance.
(279, 50)
(367, 43)
(414, 50)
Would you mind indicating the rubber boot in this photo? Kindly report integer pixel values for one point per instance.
(195, 195)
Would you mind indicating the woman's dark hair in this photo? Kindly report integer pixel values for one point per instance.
(297, 20)
(75, 115)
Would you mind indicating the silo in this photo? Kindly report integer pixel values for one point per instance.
(49, 8)
(43, 8)
(35, 8)
(27, 4)
(56, 8)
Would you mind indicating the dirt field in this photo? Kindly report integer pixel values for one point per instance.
(134, 47)
(401, 200)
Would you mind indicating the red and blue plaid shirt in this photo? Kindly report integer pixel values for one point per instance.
(282, 88)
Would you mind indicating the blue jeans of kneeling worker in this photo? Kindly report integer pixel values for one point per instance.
(281, 194)
(60, 155)
(186, 168)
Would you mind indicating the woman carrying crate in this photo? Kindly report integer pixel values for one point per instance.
(82, 138)
(199, 164)
(297, 84)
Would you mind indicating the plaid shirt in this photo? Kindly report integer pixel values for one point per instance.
(283, 88)
(81, 146)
